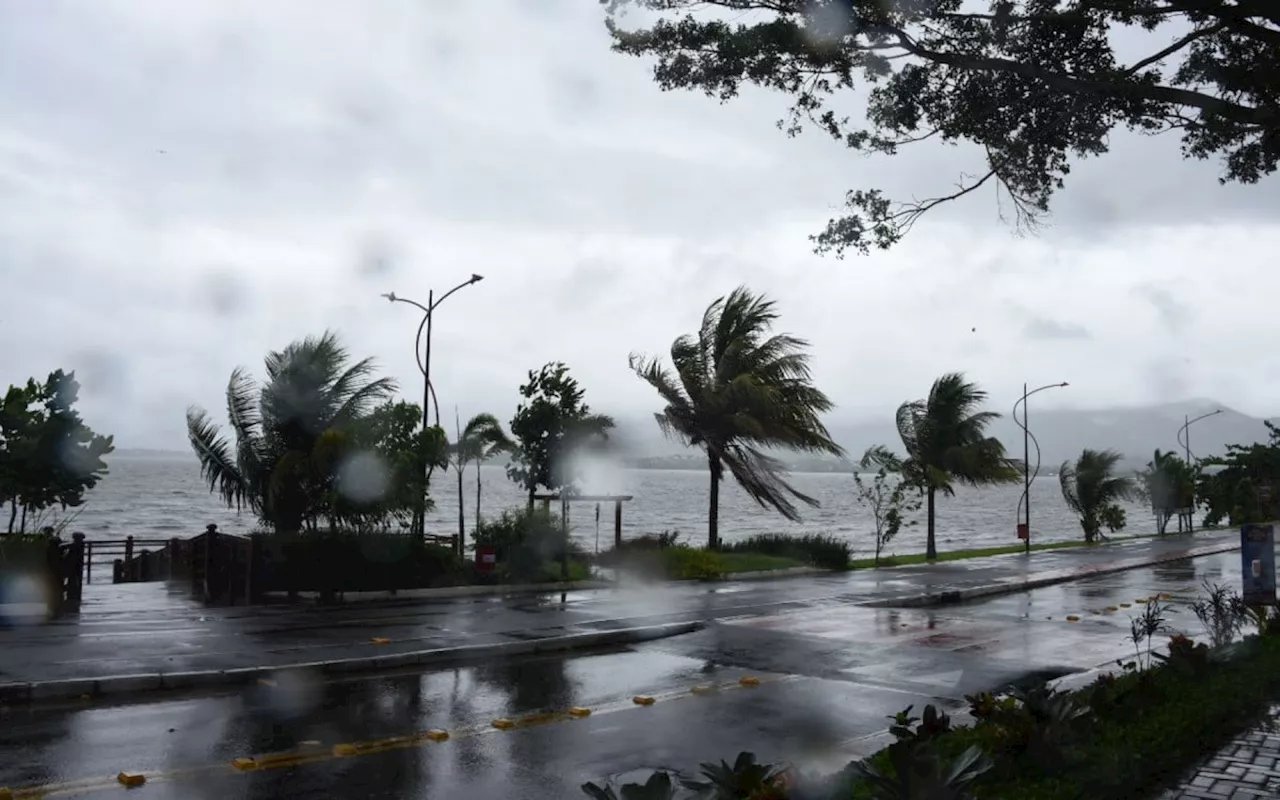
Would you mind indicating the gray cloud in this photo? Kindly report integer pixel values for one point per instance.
(1173, 314)
(315, 157)
(1043, 328)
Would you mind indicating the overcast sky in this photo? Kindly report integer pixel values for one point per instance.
(188, 185)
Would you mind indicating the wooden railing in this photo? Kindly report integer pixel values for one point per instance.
(216, 568)
(139, 556)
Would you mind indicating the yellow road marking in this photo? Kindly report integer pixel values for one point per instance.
(314, 755)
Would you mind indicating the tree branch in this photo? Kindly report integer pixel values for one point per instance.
(1171, 49)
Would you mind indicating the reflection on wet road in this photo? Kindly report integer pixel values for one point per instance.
(828, 675)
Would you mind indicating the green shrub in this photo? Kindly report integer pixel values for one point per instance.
(688, 563)
(819, 550)
(1145, 729)
(350, 562)
(524, 541)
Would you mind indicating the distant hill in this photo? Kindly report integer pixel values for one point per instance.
(1134, 432)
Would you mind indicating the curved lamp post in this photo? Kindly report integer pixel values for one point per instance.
(422, 356)
(1027, 476)
(1184, 439)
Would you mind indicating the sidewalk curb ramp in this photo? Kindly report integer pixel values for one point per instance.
(123, 685)
(1036, 580)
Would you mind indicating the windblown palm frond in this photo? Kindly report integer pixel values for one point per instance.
(945, 439)
(278, 466)
(737, 390)
(1092, 490)
(217, 466)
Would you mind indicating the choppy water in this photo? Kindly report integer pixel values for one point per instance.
(163, 496)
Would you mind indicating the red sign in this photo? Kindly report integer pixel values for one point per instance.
(1022, 530)
(486, 557)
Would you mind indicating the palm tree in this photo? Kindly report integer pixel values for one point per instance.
(1092, 489)
(946, 443)
(736, 390)
(480, 440)
(286, 431)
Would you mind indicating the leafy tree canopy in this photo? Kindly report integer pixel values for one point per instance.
(1033, 83)
(1244, 484)
(48, 457)
(550, 423)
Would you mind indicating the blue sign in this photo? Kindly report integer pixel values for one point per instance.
(1258, 564)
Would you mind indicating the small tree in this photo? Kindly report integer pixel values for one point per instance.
(1167, 484)
(392, 433)
(549, 425)
(48, 457)
(1092, 490)
(890, 499)
(480, 440)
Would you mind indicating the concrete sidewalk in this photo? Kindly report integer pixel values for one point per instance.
(138, 637)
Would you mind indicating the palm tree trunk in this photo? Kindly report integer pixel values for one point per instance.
(931, 544)
(713, 510)
(462, 531)
(478, 465)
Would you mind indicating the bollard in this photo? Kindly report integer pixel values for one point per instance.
(128, 547)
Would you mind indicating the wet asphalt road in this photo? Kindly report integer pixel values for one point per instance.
(830, 673)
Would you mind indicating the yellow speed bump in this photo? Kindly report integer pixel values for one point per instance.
(131, 779)
(579, 712)
(436, 735)
(1125, 605)
(1164, 596)
(380, 640)
(244, 764)
(1113, 608)
(642, 700)
(748, 680)
(1072, 618)
(503, 724)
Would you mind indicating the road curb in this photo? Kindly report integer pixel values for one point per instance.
(443, 593)
(1035, 581)
(124, 685)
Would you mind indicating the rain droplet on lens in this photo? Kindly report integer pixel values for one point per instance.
(363, 477)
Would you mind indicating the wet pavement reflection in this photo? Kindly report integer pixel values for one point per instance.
(829, 674)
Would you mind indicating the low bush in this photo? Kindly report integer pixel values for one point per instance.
(525, 541)
(690, 563)
(1125, 736)
(351, 562)
(818, 550)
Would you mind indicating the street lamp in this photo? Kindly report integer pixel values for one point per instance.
(1027, 477)
(1184, 439)
(422, 356)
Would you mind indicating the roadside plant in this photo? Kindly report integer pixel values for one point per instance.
(1222, 613)
(917, 771)
(889, 497)
(1186, 655)
(1143, 629)
(985, 705)
(1042, 722)
(745, 778)
(660, 786)
(933, 723)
